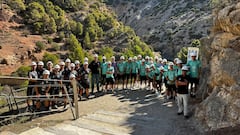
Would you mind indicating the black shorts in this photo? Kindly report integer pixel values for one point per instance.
(171, 87)
(121, 77)
(85, 84)
(134, 75)
(110, 81)
(103, 79)
(150, 79)
(128, 76)
(159, 81)
(143, 78)
(194, 80)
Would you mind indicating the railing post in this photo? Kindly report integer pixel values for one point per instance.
(75, 94)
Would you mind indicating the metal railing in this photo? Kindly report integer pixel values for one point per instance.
(16, 96)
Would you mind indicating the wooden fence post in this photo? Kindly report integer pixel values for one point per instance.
(75, 94)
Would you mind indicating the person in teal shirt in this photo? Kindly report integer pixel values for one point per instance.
(194, 68)
(121, 70)
(110, 75)
(171, 78)
(142, 73)
(151, 74)
(158, 79)
(134, 72)
(103, 71)
(128, 69)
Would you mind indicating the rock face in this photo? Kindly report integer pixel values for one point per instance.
(222, 107)
(167, 25)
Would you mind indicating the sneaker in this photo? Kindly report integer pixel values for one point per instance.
(55, 107)
(50, 108)
(65, 107)
(186, 116)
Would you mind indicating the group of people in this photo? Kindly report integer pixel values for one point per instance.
(130, 73)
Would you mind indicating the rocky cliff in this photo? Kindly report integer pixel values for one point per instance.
(167, 25)
(221, 58)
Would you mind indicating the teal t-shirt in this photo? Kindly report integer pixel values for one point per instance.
(178, 71)
(158, 74)
(194, 67)
(171, 75)
(134, 67)
(104, 68)
(110, 75)
(139, 62)
(128, 67)
(151, 74)
(121, 67)
(142, 69)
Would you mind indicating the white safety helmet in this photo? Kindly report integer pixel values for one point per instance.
(179, 61)
(85, 63)
(147, 66)
(176, 59)
(164, 60)
(109, 63)
(185, 68)
(143, 60)
(56, 67)
(95, 55)
(68, 60)
(86, 59)
(152, 65)
(72, 76)
(33, 63)
(122, 57)
(72, 65)
(77, 62)
(46, 72)
(151, 58)
(135, 58)
(193, 54)
(130, 58)
(40, 63)
(147, 57)
(104, 58)
(62, 63)
(139, 56)
(170, 63)
(113, 57)
(50, 63)
(156, 57)
(159, 59)
(161, 68)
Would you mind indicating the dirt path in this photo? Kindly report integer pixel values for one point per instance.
(124, 101)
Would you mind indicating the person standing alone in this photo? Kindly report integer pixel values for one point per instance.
(182, 92)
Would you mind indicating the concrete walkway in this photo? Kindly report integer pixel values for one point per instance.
(137, 112)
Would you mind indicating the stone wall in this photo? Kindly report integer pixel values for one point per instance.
(221, 56)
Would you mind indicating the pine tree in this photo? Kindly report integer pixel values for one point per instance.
(76, 51)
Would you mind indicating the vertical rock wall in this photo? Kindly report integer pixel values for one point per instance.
(221, 73)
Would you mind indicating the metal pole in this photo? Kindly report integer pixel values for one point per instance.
(75, 95)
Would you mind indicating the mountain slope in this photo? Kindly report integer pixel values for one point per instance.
(167, 25)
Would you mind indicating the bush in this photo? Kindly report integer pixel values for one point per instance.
(50, 57)
(55, 47)
(50, 40)
(22, 71)
(40, 46)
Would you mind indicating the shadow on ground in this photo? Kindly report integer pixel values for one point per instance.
(154, 115)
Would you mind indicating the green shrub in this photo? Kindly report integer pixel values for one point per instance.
(40, 46)
(55, 47)
(22, 71)
(50, 40)
(50, 57)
